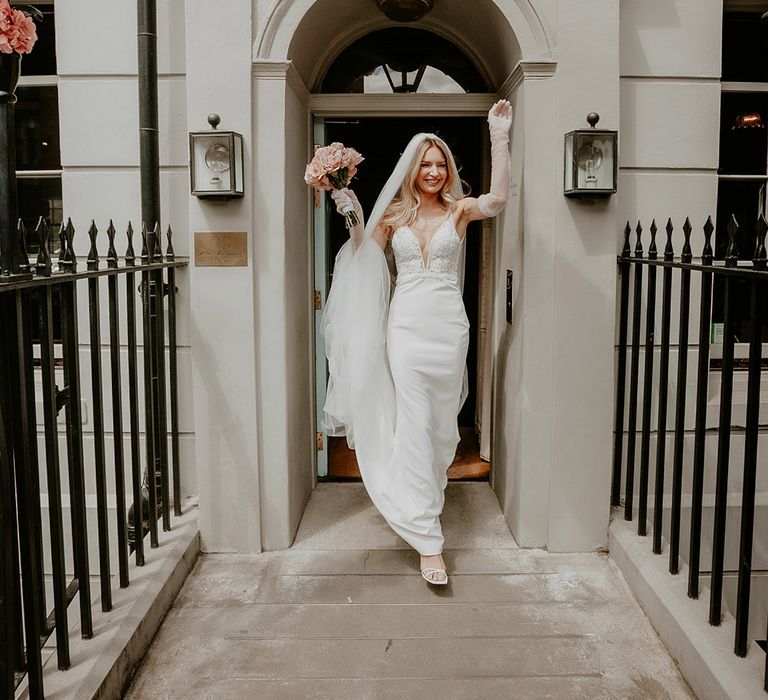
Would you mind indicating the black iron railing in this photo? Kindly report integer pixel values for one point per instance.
(704, 268)
(38, 333)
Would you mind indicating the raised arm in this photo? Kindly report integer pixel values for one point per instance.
(493, 201)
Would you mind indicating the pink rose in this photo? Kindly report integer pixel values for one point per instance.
(26, 32)
(17, 31)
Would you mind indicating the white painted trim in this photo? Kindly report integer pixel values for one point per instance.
(681, 170)
(38, 81)
(526, 70)
(744, 178)
(538, 32)
(672, 78)
(362, 105)
(281, 70)
(30, 174)
(732, 86)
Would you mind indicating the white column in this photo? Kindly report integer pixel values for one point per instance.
(222, 298)
(284, 320)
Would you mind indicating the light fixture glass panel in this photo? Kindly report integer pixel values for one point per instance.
(568, 164)
(594, 160)
(212, 168)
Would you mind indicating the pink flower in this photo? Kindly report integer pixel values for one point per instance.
(17, 30)
(332, 166)
(27, 32)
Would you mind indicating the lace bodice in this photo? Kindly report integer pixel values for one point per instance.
(442, 254)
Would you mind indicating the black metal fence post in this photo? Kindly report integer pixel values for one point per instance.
(697, 487)
(621, 369)
(637, 302)
(757, 294)
(724, 434)
(645, 439)
(661, 432)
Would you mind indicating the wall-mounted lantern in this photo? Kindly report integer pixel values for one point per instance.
(405, 10)
(216, 162)
(590, 161)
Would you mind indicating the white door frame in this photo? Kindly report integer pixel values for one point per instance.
(353, 105)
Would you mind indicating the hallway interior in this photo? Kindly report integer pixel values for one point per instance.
(345, 614)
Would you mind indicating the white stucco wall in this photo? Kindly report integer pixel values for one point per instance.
(224, 340)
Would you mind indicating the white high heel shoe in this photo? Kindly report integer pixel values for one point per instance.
(440, 580)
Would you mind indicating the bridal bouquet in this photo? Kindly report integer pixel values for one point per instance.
(332, 168)
(17, 30)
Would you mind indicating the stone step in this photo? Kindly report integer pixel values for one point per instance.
(385, 621)
(520, 688)
(434, 658)
(377, 589)
(398, 561)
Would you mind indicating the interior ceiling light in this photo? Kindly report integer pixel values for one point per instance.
(749, 120)
(405, 10)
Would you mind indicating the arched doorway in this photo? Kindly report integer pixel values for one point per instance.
(299, 43)
(403, 60)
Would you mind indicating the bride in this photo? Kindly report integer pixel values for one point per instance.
(397, 358)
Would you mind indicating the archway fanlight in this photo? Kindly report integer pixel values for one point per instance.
(405, 10)
(401, 60)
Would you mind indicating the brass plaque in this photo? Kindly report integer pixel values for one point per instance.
(221, 249)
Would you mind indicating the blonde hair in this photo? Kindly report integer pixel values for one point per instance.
(404, 207)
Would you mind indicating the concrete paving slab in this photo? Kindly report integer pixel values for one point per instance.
(572, 688)
(345, 615)
(383, 621)
(377, 589)
(387, 658)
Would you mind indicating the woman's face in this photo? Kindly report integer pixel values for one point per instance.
(433, 171)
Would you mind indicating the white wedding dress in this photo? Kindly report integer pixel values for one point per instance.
(427, 339)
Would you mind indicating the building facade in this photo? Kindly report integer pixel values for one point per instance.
(250, 379)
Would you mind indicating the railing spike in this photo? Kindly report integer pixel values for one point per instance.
(62, 259)
(170, 254)
(111, 252)
(157, 250)
(732, 252)
(626, 250)
(92, 261)
(24, 265)
(144, 249)
(70, 260)
(130, 254)
(687, 254)
(707, 254)
(652, 250)
(43, 263)
(639, 244)
(760, 260)
(669, 252)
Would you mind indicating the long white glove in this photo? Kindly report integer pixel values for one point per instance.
(344, 199)
(499, 124)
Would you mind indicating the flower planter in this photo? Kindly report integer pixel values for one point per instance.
(10, 67)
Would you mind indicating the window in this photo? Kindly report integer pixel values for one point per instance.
(743, 166)
(38, 156)
(402, 60)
